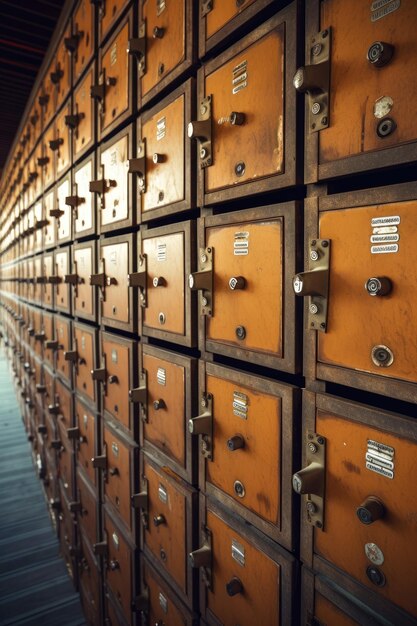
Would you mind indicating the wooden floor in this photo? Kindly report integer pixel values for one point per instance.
(35, 587)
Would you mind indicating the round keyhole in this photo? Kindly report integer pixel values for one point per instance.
(386, 127)
(239, 489)
(161, 318)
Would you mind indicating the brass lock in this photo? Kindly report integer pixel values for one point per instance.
(237, 442)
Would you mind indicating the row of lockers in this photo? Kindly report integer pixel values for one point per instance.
(354, 270)
(248, 429)
(246, 123)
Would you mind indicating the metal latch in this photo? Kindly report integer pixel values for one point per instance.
(206, 7)
(315, 284)
(137, 47)
(99, 462)
(56, 213)
(314, 79)
(139, 279)
(140, 501)
(203, 281)
(57, 75)
(100, 280)
(141, 602)
(55, 143)
(72, 121)
(99, 374)
(203, 425)
(138, 165)
(310, 481)
(100, 549)
(201, 130)
(73, 433)
(42, 161)
(203, 557)
(71, 355)
(43, 100)
(140, 395)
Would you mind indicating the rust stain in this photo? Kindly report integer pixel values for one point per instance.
(351, 467)
(262, 498)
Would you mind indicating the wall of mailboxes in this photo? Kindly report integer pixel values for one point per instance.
(184, 172)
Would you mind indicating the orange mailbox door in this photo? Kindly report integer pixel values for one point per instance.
(235, 558)
(222, 13)
(165, 284)
(165, 39)
(62, 135)
(370, 94)
(83, 133)
(328, 613)
(83, 292)
(163, 608)
(119, 380)
(250, 316)
(250, 474)
(85, 345)
(165, 425)
(115, 75)
(167, 539)
(367, 243)
(117, 486)
(86, 447)
(250, 85)
(119, 567)
(63, 335)
(62, 261)
(163, 134)
(83, 29)
(364, 462)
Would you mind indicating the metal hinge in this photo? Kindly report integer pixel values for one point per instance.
(203, 557)
(315, 284)
(203, 281)
(310, 481)
(137, 47)
(203, 425)
(138, 165)
(140, 395)
(139, 279)
(202, 131)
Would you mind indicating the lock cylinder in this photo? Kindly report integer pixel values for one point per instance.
(234, 587)
(370, 510)
(378, 286)
(380, 53)
(235, 443)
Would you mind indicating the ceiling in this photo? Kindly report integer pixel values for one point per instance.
(26, 27)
